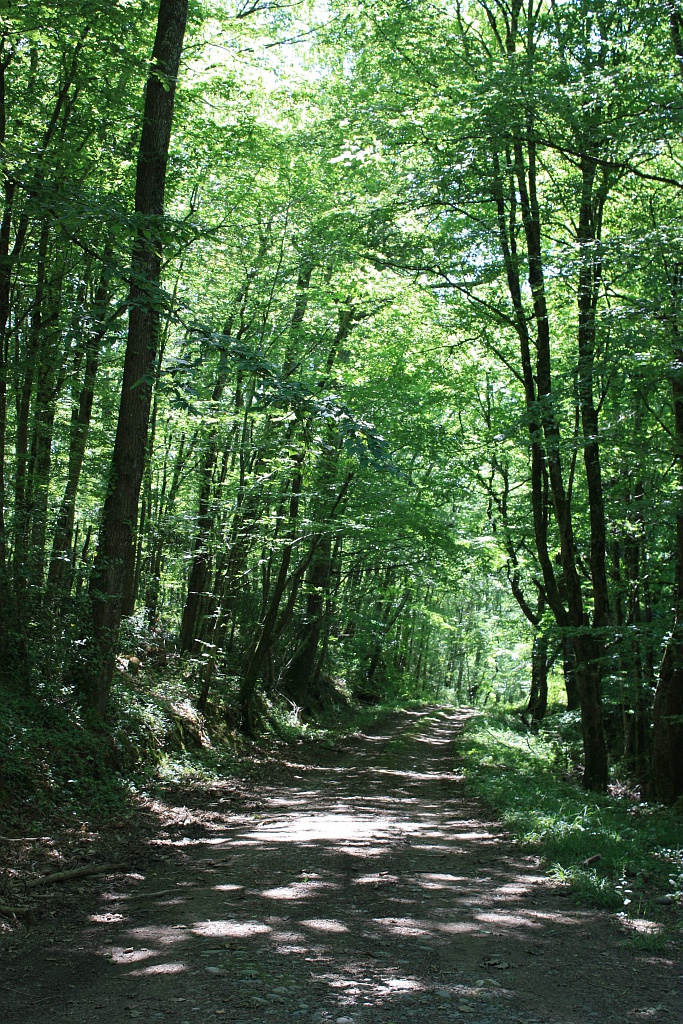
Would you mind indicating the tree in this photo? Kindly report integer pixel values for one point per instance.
(489, 191)
(668, 704)
(115, 552)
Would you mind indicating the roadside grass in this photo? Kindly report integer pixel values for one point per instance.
(634, 850)
(339, 719)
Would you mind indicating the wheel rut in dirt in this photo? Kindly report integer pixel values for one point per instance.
(368, 888)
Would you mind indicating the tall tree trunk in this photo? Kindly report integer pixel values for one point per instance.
(190, 625)
(538, 693)
(564, 594)
(23, 401)
(667, 713)
(590, 647)
(8, 256)
(303, 672)
(119, 516)
(62, 556)
(52, 371)
(569, 673)
(267, 631)
(158, 531)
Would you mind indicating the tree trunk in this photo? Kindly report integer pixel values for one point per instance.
(302, 672)
(569, 671)
(667, 716)
(587, 671)
(6, 262)
(269, 627)
(667, 713)
(62, 559)
(52, 371)
(190, 625)
(538, 695)
(564, 595)
(119, 516)
(23, 401)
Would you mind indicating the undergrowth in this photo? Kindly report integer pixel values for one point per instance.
(54, 765)
(634, 850)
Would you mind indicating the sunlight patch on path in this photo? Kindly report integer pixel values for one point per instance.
(231, 929)
(306, 828)
(322, 924)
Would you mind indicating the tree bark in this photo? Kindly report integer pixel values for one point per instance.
(564, 594)
(538, 693)
(569, 671)
(119, 516)
(667, 713)
(302, 674)
(190, 625)
(268, 628)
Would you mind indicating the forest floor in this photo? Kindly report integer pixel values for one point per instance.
(357, 883)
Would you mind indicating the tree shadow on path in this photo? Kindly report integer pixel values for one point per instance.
(368, 888)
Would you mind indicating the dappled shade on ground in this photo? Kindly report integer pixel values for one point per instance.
(364, 886)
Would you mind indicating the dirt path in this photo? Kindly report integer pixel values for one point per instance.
(366, 889)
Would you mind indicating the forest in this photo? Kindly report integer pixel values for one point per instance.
(341, 363)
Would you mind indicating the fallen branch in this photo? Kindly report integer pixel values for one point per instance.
(26, 839)
(65, 876)
(143, 895)
(160, 892)
(591, 860)
(14, 911)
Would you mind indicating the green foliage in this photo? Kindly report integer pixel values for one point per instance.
(515, 771)
(54, 762)
(587, 885)
(51, 764)
(340, 499)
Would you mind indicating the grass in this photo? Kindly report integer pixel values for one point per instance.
(528, 780)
